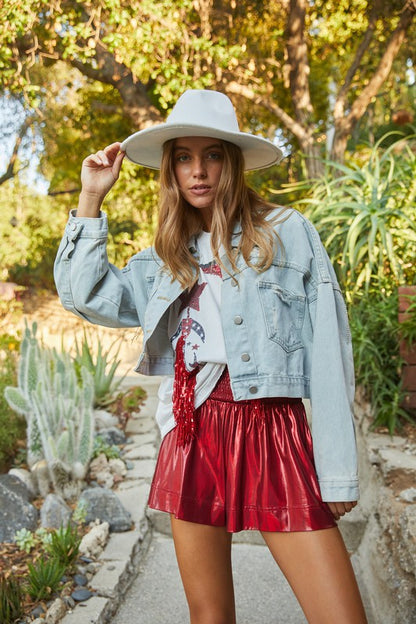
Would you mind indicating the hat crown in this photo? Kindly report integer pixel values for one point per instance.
(206, 109)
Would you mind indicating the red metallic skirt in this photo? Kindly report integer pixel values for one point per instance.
(249, 466)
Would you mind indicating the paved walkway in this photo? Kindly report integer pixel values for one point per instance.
(156, 596)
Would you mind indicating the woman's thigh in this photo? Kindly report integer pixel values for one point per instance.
(204, 558)
(319, 570)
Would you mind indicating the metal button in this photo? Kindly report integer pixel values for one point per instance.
(238, 319)
(73, 227)
(245, 357)
(253, 389)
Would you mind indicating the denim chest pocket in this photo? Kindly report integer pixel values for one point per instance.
(283, 313)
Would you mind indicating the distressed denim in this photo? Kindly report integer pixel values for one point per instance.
(286, 329)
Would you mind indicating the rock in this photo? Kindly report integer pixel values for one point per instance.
(113, 436)
(408, 495)
(93, 542)
(28, 480)
(80, 579)
(80, 595)
(104, 420)
(56, 612)
(70, 602)
(16, 485)
(54, 512)
(117, 467)
(37, 611)
(103, 504)
(16, 512)
(100, 471)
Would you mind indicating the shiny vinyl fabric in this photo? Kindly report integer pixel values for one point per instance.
(249, 466)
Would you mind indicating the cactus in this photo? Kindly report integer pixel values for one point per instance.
(19, 398)
(59, 413)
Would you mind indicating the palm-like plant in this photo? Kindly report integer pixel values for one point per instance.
(366, 215)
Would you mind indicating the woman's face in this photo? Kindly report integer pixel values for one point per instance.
(197, 163)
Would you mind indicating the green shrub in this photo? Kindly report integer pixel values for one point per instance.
(64, 545)
(375, 334)
(44, 578)
(11, 600)
(12, 427)
(364, 212)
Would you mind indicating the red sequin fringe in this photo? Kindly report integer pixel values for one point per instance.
(183, 397)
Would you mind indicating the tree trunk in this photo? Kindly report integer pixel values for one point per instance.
(345, 124)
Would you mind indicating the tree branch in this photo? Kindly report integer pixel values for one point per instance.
(291, 124)
(346, 124)
(339, 106)
(11, 167)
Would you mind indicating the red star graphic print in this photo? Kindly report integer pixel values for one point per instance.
(211, 268)
(191, 299)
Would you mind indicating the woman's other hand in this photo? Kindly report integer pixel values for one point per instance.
(340, 509)
(98, 174)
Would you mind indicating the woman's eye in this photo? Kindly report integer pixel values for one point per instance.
(215, 156)
(182, 158)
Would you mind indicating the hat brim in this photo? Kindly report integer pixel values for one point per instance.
(145, 147)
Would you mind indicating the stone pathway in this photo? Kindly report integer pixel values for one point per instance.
(124, 551)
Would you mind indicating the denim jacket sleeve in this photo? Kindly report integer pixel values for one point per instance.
(332, 386)
(88, 285)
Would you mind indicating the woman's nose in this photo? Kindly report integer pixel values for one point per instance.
(199, 170)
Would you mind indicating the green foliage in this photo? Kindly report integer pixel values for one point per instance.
(11, 426)
(31, 226)
(11, 600)
(127, 402)
(375, 334)
(111, 451)
(102, 366)
(44, 578)
(80, 512)
(28, 540)
(365, 215)
(64, 545)
(25, 539)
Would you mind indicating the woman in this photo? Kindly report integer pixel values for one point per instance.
(241, 310)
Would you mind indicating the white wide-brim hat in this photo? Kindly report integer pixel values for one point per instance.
(201, 113)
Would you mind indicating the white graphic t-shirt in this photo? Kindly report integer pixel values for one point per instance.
(197, 316)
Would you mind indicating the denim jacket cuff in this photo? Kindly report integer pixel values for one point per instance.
(333, 491)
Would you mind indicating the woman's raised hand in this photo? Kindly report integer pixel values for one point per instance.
(98, 174)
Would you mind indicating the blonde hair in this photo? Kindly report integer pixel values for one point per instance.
(235, 203)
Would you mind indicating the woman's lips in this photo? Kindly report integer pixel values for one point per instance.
(200, 189)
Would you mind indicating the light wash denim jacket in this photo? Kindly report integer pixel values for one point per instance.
(286, 329)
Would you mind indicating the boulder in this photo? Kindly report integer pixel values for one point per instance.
(54, 512)
(103, 504)
(16, 512)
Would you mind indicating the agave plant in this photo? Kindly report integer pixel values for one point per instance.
(102, 366)
(365, 215)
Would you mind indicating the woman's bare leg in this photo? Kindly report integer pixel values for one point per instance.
(204, 558)
(319, 570)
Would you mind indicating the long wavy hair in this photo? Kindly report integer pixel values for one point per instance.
(235, 202)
